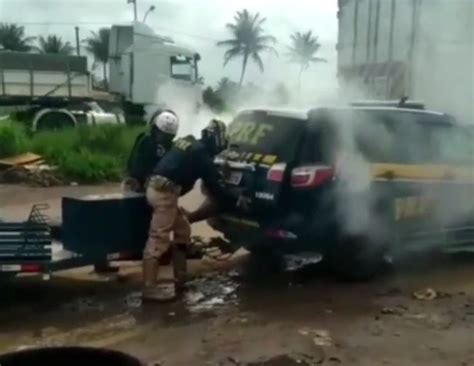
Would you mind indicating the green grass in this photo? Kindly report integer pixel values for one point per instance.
(85, 154)
(13, 138)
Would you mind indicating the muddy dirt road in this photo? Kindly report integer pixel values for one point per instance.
(245, 315)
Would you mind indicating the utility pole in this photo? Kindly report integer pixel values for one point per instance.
(135, 14)
(78, 47)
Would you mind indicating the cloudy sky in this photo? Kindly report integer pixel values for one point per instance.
(195, 23)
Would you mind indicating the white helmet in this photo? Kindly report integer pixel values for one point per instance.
(167, 122)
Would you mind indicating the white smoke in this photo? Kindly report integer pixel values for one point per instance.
(186, 101)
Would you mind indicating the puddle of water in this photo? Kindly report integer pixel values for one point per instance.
(84, 304)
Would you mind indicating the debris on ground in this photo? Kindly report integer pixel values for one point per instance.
(427, 294)
(29, 168)
(288, 360)
(283, 360)
(294, 262)
(321, 337)
(134, 300)
(210, 292)
(395, 310)
(392, 291)
(21, 159)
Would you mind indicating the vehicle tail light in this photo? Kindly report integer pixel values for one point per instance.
(276, 173)
(30, 268)
(311, 176)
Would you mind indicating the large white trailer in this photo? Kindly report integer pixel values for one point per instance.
(423, 49)
(146, 70)
(52, 91)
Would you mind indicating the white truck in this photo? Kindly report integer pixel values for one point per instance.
(51, 91)
(145, 71)
(423, 49)
(149, 70)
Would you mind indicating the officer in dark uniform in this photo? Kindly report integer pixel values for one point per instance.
(175, 175)
(149, 148)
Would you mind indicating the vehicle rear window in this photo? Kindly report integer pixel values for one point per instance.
(266, 135)
(396, 136)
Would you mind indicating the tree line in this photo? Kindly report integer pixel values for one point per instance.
(13, 38)
(248, 42)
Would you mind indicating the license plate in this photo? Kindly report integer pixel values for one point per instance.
(10, 268)
(234, 178)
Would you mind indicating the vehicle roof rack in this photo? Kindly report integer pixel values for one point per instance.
(402, 103)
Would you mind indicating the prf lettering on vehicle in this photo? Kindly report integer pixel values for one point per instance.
(249, 132)
(264, 160)
(413, 207)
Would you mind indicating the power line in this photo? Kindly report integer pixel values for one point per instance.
(71, 24)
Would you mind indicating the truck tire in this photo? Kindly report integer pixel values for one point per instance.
(355, 258)
(53, 119)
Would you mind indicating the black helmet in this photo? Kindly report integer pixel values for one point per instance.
(214, 136)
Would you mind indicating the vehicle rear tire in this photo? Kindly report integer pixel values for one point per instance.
(356, 258)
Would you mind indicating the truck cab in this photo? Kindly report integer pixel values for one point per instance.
(149, 69)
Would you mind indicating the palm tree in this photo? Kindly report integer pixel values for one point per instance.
(304, 47)
(98, 46)
(248, 41)
(12, 38)
(54, 44)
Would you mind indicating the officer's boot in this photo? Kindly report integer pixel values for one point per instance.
(152, 291)
(150, 274)
(180, 266)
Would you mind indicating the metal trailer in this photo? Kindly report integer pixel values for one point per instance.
(94, 229)
(423, 49)
(51, 91)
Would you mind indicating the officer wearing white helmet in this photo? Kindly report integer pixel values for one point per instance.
(149, 148)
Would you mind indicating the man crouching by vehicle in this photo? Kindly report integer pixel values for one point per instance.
(149, 148)
(175, 175)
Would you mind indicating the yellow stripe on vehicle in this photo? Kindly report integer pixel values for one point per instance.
(257, 157)
(413, 207)
(248, 157)
(269, 159)
(422, 172)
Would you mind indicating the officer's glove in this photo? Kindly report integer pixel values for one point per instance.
(130, 185)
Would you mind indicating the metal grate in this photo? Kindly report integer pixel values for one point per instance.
(37, 215)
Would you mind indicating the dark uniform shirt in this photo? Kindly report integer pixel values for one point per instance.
(186, 162)
(143, 158)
